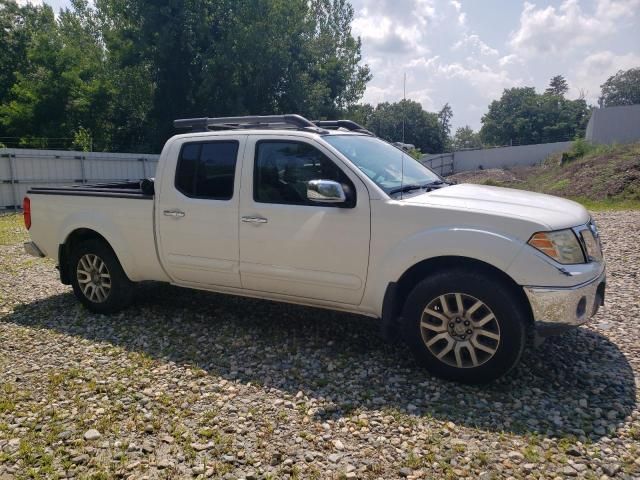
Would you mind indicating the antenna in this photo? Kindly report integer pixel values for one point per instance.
(404, 102)
(404, 106)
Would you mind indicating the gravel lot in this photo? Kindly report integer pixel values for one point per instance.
(192, 384)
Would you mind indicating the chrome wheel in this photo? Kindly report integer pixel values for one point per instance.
(93, 277)
(460, 330)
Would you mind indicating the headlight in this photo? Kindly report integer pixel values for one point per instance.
(561, 245)
(591, 242)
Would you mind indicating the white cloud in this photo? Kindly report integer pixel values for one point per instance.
(510, 59)
(386, 29)
(596, 69)
(467, 62)
(462, 17)
(474, 44)
(487, 81)
(552, 30)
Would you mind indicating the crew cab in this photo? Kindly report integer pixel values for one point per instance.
(326, 214)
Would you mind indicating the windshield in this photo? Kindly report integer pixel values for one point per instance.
(382, 162)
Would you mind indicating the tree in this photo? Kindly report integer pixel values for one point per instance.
(228, 57)
(360, 113)
(63, 83)
(521, 116)
(444, 119)
(623, 88)
(466, 138)
(557, 86)
(16, 23)
(125, 69)
(421, 128)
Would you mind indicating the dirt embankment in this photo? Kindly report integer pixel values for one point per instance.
(605, 174)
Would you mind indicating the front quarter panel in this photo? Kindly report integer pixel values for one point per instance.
(493, 248)
(404, 235)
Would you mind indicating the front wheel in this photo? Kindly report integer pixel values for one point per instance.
(97, 278)
(465, 326)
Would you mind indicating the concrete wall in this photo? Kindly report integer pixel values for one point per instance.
(499, 157)
(20, 169)
(614, 125)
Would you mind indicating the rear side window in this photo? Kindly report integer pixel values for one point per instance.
(207, 169)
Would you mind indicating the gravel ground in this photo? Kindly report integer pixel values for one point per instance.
(191, 384)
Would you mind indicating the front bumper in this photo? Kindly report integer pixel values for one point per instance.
(557, 309)
(33, 250)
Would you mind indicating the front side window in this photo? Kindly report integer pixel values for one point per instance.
(207, 169)
(283, 169)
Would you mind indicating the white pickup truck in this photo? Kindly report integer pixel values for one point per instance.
(325, 214)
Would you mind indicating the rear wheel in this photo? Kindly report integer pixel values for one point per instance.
(465, 326)
(98, 279)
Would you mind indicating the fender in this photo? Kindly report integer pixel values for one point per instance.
(102, 224)
(493, 248)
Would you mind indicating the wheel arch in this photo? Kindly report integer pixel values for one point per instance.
(396, 292)
(74, 238)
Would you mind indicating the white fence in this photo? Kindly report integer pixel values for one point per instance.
(21, 169)
(497, 157)
(614, 125)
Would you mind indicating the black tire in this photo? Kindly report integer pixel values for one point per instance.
(499, 298)
(120, 293)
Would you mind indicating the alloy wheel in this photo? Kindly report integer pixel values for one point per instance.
(93, 277)
(460, 330)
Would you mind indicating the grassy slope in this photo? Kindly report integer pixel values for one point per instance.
(603, 178)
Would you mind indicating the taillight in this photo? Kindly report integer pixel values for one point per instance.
(26, 208)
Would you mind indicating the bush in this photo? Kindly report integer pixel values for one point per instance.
(581, 147)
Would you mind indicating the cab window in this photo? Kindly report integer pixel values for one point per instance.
(207, 169)
(283, 169)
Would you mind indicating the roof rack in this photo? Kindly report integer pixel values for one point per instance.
(234, 123)
(346, 124)
(267, 122)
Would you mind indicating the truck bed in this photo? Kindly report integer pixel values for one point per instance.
(133, 190)
(111, 210)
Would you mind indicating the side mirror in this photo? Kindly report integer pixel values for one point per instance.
(325, 191)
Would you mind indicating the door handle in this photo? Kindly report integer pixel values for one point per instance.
(173, 213)
(254, 220)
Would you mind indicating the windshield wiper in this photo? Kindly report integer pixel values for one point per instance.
(406, 188)
(414, 186)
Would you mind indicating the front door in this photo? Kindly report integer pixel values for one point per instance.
(290, 245)
(197, 212)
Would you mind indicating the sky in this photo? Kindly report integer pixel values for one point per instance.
(465, 52)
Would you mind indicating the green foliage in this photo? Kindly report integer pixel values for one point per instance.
(124, 69)
(623, 88)
(466, 138)
(557, 86)
(415, 153)
(444, 119)
(522, 116)
(82, 140)
(423, 129)
(601, 177)
(581, 147)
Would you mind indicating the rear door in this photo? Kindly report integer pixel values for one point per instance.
(290, 245)
(197, 211)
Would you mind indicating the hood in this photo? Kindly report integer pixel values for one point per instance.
(552, 212)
